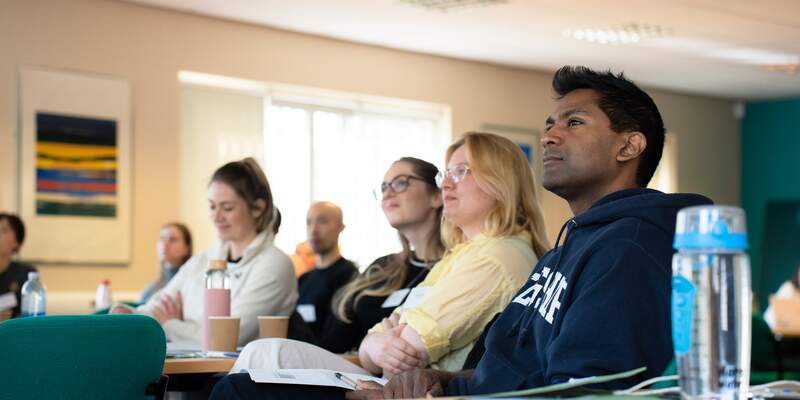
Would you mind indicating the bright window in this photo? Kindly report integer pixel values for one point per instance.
(317, 145)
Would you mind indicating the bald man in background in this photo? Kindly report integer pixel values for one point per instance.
(324, 224)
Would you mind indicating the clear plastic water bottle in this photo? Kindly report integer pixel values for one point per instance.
(217, 296)
(34, 296)
(102, 298)
(711, 303)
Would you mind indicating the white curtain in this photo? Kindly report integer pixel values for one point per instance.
(309, 152)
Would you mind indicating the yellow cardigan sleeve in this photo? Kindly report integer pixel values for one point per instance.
(456, 310)
(471, 285)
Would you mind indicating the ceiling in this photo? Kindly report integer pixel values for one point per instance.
(713, 47)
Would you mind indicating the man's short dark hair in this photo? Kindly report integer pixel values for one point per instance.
(628, 108)
(16, 225)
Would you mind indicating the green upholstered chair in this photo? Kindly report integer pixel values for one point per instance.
(82, 357)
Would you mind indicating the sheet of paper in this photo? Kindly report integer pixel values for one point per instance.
(184, 350)
(314, 377)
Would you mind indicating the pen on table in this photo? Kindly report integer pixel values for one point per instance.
(346, 380)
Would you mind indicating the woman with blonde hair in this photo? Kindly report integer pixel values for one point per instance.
(261, 275)
(494, 233)
(493, 159)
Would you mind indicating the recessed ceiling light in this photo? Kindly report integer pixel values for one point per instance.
(451, 5)
(767, 59)
(761, 57)
(770, 60)
(629, 33)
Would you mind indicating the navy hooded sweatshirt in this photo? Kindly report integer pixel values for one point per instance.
(597, 304)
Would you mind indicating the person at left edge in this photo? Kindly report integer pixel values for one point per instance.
(12, 273)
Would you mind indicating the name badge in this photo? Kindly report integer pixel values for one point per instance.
(396, 298)
(415, 297)
(8, 301)
(308, 312)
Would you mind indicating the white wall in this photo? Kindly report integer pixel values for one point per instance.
(149, 46)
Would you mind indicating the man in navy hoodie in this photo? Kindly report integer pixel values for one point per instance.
(599, 302)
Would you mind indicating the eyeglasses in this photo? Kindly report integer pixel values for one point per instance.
(398, 185)
(457, 173)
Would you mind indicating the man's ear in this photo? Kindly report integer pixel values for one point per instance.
(635, 143)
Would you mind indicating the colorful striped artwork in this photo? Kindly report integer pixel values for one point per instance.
(76, 166)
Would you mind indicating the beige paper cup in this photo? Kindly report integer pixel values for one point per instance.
(223, 333)
(272, 327)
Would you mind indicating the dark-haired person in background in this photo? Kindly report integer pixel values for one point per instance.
(262, 277)
(174, 248)
(599, 302)
(12, 274)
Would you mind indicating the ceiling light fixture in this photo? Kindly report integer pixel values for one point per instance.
(629, 33)
(770, 60)
(451, 5)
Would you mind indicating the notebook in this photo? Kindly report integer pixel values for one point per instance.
(315, 377)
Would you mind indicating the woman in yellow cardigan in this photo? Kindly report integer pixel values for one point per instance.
(494, 231)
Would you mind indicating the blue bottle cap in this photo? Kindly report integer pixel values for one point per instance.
(711, 227)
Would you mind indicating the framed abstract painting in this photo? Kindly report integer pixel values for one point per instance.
(75, 167)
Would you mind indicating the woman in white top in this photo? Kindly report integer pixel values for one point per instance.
(262, 276)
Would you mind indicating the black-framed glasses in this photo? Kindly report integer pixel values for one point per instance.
(457, 173)
(398, 184)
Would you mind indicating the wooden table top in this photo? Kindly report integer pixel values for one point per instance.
(211, 365)
(197, 365)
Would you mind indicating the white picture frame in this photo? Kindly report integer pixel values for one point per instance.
(74, 167)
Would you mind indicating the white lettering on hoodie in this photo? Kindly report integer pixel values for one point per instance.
(546, 298)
